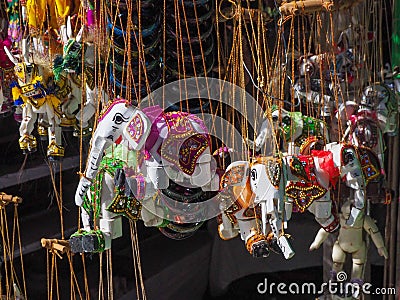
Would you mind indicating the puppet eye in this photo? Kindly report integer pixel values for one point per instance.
(119, 119)
(348, 157)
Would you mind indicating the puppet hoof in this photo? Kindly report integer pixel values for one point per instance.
(93, 241)
(54, 151)
(260, 249)
(28, 144)
(75, 242)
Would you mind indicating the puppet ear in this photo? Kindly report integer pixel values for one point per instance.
(79, 35)
(69, 28)
(10, 56)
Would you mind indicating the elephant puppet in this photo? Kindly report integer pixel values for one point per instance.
(368, 121)
(351, 241)
(30, 92)
(304, 180)
(259, 210)
(358, 166)
(175, 145)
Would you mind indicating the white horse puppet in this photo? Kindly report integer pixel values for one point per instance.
(67, 70)
(30, 92)
(176, 147)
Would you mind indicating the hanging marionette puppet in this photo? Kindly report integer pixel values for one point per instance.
(311, 85)
(67, 71)
(176, 147)
(309, 170)
(351, 241)
(366, 124)
(371, 118)
(259, 210)
(303, 180)
(358, 166)
(361, 166)
(29, 92)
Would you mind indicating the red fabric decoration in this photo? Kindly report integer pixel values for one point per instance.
(325, 160)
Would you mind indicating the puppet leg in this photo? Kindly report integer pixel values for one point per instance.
(110, 225)
(27, 142)
(359, 258)
(338, 258)
(54, 150)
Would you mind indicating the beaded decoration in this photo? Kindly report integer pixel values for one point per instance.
(183, 146)
(305, 191)
(231, 211)
(369, 164)
(274, 171)
(7, 76)
(233, 176)
(127, 206)
(333, 226)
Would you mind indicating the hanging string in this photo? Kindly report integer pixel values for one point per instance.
(109, 274)
(48, 274)
(74, 280)
(20, 250)
(87, 292)
(5, 242)
(296, 104)
(101, 284)
(58, 196)
(140, 294)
